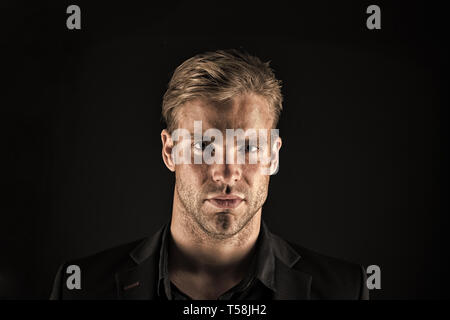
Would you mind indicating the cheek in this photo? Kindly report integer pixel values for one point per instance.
(252, 174)
(192, 173)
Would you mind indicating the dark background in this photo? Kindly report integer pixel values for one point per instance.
(363, 169)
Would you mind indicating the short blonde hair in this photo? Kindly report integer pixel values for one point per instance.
(219, 76)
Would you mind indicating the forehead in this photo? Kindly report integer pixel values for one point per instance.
(247, 111)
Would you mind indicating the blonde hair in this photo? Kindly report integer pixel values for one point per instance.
(219, 76)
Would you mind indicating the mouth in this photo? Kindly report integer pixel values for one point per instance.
(226, 202)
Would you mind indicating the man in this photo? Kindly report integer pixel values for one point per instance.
(216, 245)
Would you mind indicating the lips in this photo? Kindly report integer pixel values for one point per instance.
(226, 202)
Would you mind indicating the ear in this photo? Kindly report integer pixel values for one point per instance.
(167, 146)
(275, 157)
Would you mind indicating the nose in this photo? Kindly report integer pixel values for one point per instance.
(226, 173)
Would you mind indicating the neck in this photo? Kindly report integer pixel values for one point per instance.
(194, 250)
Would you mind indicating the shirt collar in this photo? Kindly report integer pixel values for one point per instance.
(264, 259)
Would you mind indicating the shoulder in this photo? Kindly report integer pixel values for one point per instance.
(100, 272)
(331, 278)
(96, 272)
(111, 258)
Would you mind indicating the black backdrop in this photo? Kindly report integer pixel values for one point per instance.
(363, 169)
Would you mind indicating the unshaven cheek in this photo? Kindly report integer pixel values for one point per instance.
(251, 173)
(194, 174)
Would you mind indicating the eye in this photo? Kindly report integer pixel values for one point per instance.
(248, 148)
(200, 145)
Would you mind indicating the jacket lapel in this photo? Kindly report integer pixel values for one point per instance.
(291, 284)
(139, 282)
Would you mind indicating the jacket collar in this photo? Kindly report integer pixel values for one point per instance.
(140, 282)
(291, 284)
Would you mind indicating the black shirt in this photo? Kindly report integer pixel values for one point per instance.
(258, 284)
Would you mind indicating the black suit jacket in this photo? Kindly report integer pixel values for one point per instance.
(130, 271)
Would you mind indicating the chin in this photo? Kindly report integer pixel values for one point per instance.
(225, 224)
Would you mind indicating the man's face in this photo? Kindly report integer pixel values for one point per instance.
(222, 198)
